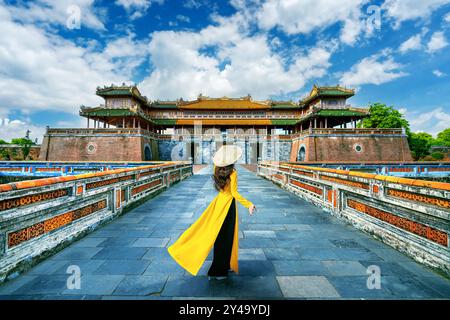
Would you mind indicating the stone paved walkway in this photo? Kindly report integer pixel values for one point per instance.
(289, 249)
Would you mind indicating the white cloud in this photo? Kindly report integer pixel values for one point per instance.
(376, 69)
(439, 73)
(224, 60)
(403, 10)
(431, 122)
(183, 18)
(193, 4)
(57, 12)
(413, 43)
(137, 8)
(447, 17)
(46, 72)
(305, 16)
(10, 129)
(437, 42)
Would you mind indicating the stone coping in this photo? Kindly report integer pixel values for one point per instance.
(54, 180)
(404, 181)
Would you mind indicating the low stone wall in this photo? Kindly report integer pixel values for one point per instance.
(413, 216)
(37, 217)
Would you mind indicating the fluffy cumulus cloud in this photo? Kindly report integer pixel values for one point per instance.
(46, 72)
(447, 18)
(432, 122)
(437, 42)
(224, 60)
(376, 69)
(439, 73)
(137, 8)
(304, 16)
(413, 43)
(403, 10)
(67, 13)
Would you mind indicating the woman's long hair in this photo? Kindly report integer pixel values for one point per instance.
(221, 176)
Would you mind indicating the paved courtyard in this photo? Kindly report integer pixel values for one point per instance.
(288, 249)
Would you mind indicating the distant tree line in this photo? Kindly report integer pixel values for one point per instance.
(24, 145)
(420, 143)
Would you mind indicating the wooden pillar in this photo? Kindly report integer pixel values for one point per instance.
(315, 123)
(123, 122)
(326, 122)
(88, 122)
(134, 123)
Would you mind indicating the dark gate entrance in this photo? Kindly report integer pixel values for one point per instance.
(147, 153)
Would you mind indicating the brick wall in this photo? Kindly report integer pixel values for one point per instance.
(352, 148)
(94, 148)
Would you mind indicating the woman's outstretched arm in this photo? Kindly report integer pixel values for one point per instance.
(235, 193)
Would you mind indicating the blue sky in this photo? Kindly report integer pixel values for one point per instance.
(54, 53)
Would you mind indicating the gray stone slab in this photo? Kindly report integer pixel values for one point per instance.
(86, 266)
(259, 234)
(141, 285)
(356, 287)
(281, 254)
(356, 254)
(306, 287)
(317, 254)
(96, 285)
(151, 242)
(76, 253)
(43, 285)
(187, 286)
(247, 287)
(122, 267)
(256, 268)
(116, 242)
(89, 242)
(300, 267)
(120, 253)
(252, 254)
(298, 227)
(157, 254)
(345, 268)
(410, 288)
(10, 286)
(47, 267)
(265, 226)
(169, 267)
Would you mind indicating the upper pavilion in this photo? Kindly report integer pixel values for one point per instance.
(126, 107)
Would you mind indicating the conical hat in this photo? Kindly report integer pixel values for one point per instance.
(226, 155)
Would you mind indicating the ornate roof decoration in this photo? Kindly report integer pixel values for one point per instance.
(336, 91)
(122, 90)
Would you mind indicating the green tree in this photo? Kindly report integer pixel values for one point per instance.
(382, 116)
(24, 144)
(3, 141)
(420, 144)
(437, 155)
(443, 138)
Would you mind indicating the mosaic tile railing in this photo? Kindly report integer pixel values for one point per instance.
(410, 215)
(63, 168)
(39, 216)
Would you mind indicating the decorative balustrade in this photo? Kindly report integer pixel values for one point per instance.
(40, 216)
(411, 215)
(99, 131)
(63, 168)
